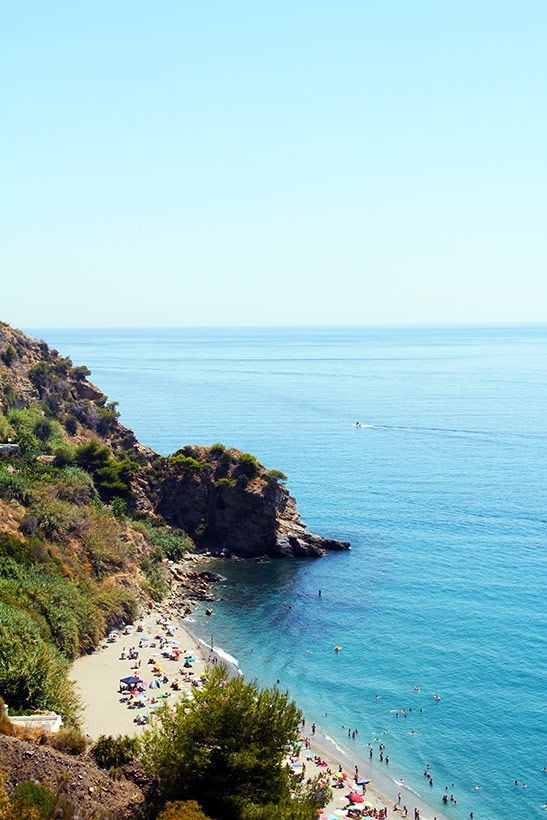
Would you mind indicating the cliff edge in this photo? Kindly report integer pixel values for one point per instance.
(225, 500)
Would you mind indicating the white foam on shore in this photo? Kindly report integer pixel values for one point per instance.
(408, 788)
(220, 653)
(336, 746)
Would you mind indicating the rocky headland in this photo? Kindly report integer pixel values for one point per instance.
(224, 500)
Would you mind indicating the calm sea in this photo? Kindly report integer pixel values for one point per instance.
(442, 495)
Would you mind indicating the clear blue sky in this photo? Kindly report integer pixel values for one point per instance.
(177, 162)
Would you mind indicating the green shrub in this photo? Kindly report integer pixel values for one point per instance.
(5, 428)
(9, 397)
(119, 508)
(69, 740)
(187, 462)
(107, 419)
(33, 432)
(64, 455)
(224, 483)
(8, 355)
(75, 486)
(15, 486)
(32, 673)
(112, 478)
(225, 748)
(81, 372)
(71, 425)
(118, 605)
(111, 751)
(277, 475)
(102, 543)
(157, 584)
(183, 810)
(217, 448)
(173, 544)
(43, 430)
(28, 793)
(57, 520)
(248, 465)
(93, 456)
(40, 375)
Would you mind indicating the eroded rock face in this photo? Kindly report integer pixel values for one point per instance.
(228, 505)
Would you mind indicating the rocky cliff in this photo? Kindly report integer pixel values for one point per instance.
(223, 499)
(227, 501)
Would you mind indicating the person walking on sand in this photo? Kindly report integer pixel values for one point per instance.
(313, 728)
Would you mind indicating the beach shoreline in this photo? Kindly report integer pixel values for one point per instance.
(97, 677)
(382, 791)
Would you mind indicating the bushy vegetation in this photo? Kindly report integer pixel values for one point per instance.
(157, 580)
(53, 606)
(170, 543)
(31, 801)
(248, 465)
(182, 810)
(8, 355)
(111, 751)
(112, 478)
(226, 748)
(30, 794)
(188, 462)
(277, 475)
(32, 671)
(33, 431)
(69, 740)
(225, 483)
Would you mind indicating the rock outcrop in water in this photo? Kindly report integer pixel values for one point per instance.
(227, 501)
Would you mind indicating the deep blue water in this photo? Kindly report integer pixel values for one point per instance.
(442, 496)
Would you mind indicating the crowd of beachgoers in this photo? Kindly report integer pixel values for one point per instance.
(156, 660)
(136, 670)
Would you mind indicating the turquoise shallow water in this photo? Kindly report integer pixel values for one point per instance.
(442, 496)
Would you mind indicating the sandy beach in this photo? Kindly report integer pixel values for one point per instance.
(97, 676)
(108, 711)
(376, 797)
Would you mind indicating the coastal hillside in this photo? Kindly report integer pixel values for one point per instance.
(222, 498)
(91, 520)
(94, 527)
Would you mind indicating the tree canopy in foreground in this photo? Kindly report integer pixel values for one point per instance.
(226, 749)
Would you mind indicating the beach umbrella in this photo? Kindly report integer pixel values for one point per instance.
(331, 817)
(130, 681)
(353, 797)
